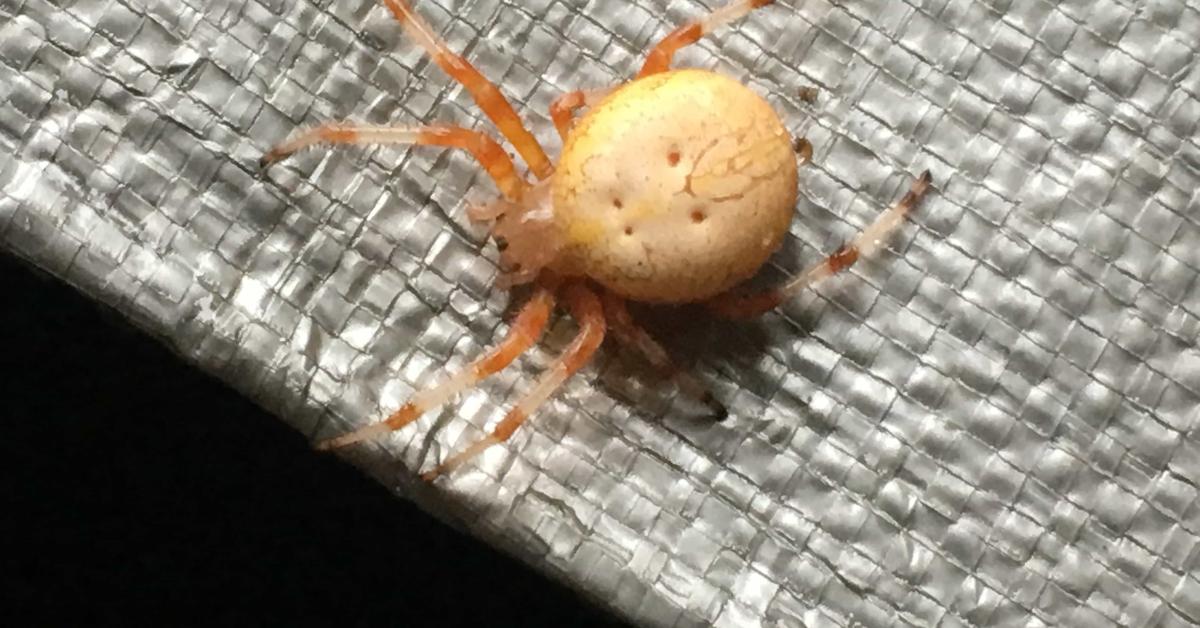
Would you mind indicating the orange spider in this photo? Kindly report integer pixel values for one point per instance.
(673, 188)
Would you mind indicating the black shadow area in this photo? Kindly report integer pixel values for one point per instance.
(135, 489)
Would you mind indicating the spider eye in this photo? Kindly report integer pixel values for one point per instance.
(501, 244)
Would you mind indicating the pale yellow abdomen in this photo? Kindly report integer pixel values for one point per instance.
(675, 187)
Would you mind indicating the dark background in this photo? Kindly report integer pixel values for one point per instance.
(136, 488)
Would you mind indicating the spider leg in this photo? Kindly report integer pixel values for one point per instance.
(746, 306)
(562, 110)
(629, 333)
(524, 331)
(486, 94)
(485, 149)
(586, 309)
(659, 58)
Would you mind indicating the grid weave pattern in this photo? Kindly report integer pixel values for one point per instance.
(993, 422)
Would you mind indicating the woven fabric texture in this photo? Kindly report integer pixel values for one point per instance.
(992, 422)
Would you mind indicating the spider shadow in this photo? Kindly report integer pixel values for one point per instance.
(725, 355)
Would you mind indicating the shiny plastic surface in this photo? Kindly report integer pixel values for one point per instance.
(992, 422)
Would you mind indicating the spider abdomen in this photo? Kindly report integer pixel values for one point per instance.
(675, 187)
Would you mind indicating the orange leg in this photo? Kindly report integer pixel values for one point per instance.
(562, 110)
(525, 331)
(748, 306)
(586, 309)
(486, 95)
(485, 149)
(629, 333)
(659, 59)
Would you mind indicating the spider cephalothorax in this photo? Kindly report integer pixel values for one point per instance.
(526, 231)
(673, 188)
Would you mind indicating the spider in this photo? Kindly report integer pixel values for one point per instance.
(674, 187)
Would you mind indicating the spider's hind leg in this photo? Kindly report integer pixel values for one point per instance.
(629, 333)
(562, 110)
(734, 306)
(659, 58)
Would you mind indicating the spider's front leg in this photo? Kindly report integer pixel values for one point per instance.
(484, 92)
(522, 334)
(735, 306)
(585, 308)
(486, 150)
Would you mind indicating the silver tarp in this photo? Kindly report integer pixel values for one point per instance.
(994, 421)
